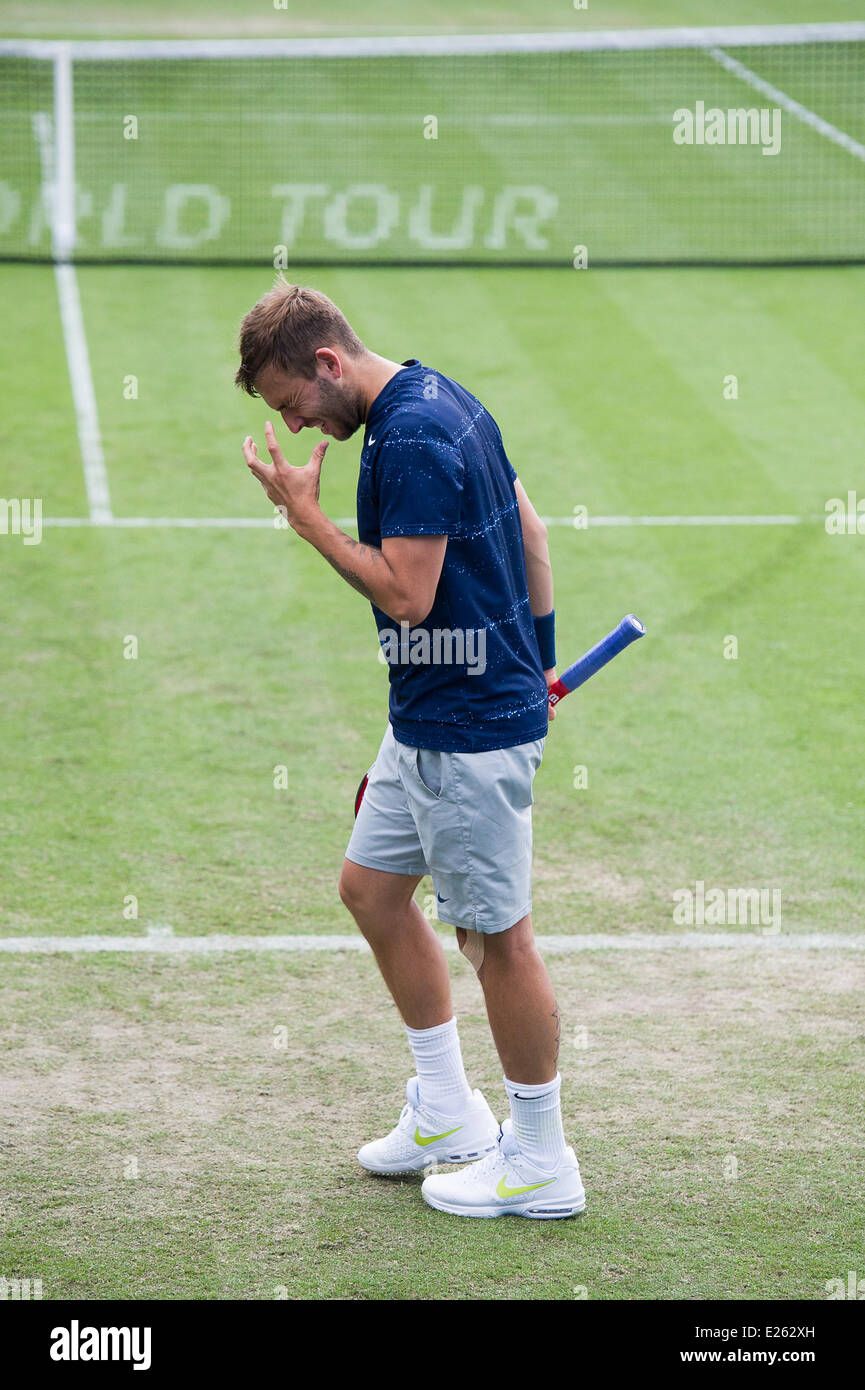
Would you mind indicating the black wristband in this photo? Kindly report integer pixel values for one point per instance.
(545, 632)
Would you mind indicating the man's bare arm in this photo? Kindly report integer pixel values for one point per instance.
(539, 570)
(401, 578)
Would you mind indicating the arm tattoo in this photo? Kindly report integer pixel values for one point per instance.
(349, 575)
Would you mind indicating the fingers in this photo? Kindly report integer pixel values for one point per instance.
(274, 479)
(250, 451)
(272, 447)
(258, 469)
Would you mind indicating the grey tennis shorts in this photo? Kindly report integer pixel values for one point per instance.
(464, 818)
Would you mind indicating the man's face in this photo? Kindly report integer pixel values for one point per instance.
(329, 402)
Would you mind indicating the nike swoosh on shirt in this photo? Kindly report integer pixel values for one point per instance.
(423, 1140)
(371, 440)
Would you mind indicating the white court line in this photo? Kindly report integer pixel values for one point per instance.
(61, 202)
(238, 523)
(802, 113)
(161, 942)
(780, 520)
(428, 45)
(83, 396)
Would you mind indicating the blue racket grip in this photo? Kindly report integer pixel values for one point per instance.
(628, 630)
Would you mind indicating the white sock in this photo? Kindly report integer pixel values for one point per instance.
(536, 1112)
(442, 1083)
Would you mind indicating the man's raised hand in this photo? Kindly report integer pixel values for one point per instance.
(293, 489)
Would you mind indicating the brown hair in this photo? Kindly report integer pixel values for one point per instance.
(285, 328)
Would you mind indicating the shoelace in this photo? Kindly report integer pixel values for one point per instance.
(505, 1146)
(409, 1119)
(409, 1110)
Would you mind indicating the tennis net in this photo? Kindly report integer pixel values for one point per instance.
(725, 145)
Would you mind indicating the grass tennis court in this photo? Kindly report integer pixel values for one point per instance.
(189, 696)
(155, 777)
(247, 1186)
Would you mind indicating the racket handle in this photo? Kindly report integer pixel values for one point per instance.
(628, 630)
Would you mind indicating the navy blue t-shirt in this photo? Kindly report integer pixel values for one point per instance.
(469, 677)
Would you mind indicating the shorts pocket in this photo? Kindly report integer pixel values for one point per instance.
(428, 765)
(517, 769)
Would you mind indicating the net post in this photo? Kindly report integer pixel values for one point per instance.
(63, 220)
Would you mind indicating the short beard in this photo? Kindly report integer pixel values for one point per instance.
(343, 409)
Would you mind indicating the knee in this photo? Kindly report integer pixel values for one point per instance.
(361, 892)
(350, 888)
(514, 947)
(374, 898)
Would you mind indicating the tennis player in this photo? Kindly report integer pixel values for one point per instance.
(454, 561)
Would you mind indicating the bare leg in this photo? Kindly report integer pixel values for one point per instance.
(409, 954)
(521, 1005)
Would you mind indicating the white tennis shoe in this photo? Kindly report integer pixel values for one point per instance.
(424, 1138)
(506, 1183)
